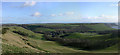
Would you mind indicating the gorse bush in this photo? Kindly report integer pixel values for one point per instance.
(4, 30)
(21, 33)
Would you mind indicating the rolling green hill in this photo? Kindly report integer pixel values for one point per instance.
(99, 27)
(82, 35)
(19, 39)
(66, 27)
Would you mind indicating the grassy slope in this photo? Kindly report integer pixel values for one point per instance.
(82, 35)
(99, 27)
(30, 33)
(14, 43)
(112, 49)
(53, 47)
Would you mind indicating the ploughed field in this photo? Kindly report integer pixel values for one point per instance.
(59, 38)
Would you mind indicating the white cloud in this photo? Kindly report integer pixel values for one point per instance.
(69, 13)
(53, 15)
(60, 14)
(103, 18)
(29, 3)
(114, 5)
(63, 14)
(107, 16)
(36, 14)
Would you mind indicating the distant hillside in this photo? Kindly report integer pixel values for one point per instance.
(113, 25)
(40, 28)
(101, 27)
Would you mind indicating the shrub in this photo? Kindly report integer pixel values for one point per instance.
(4, 30)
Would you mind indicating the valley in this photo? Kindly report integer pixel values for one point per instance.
(59, 38)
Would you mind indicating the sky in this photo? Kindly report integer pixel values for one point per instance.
(59, 12)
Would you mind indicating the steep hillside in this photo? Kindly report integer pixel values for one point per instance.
(15, 43)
